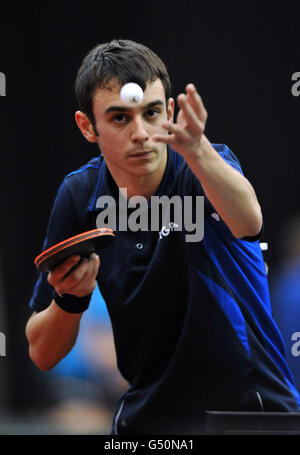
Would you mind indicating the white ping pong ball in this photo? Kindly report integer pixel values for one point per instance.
(131, 94)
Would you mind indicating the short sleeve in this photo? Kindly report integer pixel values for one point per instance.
(228, 156)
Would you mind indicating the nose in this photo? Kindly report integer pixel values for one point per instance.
(139, 134)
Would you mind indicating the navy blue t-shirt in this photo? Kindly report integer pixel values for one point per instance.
(191, 321)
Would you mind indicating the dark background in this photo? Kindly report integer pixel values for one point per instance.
(241, 56)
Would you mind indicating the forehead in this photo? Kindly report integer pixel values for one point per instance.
(104, 98)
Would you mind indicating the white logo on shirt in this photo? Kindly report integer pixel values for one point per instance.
(167, 229)
(215, 216)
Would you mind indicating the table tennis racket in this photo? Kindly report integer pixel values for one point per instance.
(82, 244)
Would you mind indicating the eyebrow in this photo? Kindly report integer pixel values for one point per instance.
(126, 109)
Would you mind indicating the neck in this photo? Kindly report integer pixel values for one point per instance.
(142, 186)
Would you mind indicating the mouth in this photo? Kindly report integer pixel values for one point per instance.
(142, 154)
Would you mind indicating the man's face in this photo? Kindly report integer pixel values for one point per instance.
(125, 133)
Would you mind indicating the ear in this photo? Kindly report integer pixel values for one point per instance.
(85, 126)
(170, 109)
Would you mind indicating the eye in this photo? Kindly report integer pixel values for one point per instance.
(152, 113)
(119, 118)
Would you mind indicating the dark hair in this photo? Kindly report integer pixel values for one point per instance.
(119, 61)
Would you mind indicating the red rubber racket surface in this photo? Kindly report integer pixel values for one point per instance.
(82, 244)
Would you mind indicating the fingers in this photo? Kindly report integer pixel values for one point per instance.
(190, 124)
(75, 276)
(190, 120)
(192, 111)
(196, 102)
(63, 269)
(175, 133)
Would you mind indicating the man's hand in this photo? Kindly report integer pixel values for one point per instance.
(75, 276)
(186, 134)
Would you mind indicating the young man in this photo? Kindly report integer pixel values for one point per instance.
(191, 319)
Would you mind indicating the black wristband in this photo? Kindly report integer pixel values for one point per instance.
(71, 303)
